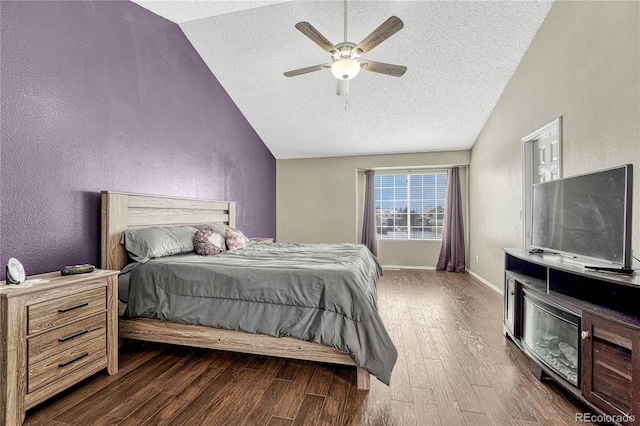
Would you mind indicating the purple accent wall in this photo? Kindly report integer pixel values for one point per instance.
(109, 96)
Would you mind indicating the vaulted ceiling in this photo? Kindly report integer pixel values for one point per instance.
(460, 56)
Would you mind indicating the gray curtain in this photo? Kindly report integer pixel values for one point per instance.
(452, 253)
(369, 237)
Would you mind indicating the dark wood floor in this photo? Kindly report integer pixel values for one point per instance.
(454, 368)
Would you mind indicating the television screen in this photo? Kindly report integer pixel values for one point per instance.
(587, 216)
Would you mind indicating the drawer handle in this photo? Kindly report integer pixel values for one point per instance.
(74, 335)
(79, 305)
(72, 360)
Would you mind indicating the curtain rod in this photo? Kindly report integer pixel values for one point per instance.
(391, 168)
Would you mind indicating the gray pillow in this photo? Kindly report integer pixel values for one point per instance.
(221, 228)
(158, 241)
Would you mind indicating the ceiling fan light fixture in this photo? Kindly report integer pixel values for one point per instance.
(345, 68)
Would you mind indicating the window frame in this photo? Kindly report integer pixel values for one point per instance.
(552, 129)
(409, 173)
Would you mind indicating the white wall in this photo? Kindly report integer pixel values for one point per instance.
(320, 200)
(582, 65)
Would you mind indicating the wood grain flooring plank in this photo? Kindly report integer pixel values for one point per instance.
(476, 419)
(353, 411)
(402, 413)
(288, 369)
(310, 410)
(232, 405)
(107, 421)
(477, 330)
(391, 302)
(450, 333)
(423, 292)
(222, 359)
(506, 384)
(473, 352)
(544, 395)
(426, 343)
(146, 410)
(44, 422)
(258, 362)
(401, 287)
(321, 380)
(199, 408)
(443, 395)
(293, 396)
(493, 407)
(171, 381)
(100, 404)
(279, 421)
(270, 398)
(182, 400)
(336, 397)
(418, 376)
(402, 390)
(379, 399)
(494, 348)
(464, 395)
(420, 316)
(424, 405)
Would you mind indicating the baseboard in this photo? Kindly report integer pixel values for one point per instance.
(398, 267)
(487, 283)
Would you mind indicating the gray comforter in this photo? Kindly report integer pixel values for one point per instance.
(324, 293)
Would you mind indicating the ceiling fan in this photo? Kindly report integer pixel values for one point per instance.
(347, 56)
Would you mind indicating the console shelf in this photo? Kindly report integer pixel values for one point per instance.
(579, 327)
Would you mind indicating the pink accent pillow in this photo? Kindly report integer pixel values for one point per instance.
(208, 241)
(235, 239)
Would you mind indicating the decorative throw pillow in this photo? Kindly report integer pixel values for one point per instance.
(235, 239)
(158, 241)
(221, 228)
(208, 241)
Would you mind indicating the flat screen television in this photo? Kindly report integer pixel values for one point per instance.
(587, 216)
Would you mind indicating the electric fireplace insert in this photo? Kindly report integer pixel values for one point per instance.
(551, 334)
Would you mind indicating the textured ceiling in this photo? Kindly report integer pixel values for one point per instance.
(460, 56)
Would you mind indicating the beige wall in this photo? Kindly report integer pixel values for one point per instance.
(582, 65)
(320, 200)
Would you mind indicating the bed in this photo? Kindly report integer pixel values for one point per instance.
(126, 211)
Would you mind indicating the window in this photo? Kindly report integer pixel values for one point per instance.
(410, 206)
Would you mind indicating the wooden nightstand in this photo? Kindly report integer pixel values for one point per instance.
(54, 332)
(261, 240)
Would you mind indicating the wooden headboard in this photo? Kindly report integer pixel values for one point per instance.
(123, 210)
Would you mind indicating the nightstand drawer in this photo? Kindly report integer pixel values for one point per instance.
(45, 315)
(48, 344)
(64, 362)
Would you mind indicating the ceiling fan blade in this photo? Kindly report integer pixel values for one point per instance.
(315, 36)
(306, 70)
(382, 68)
(380, 34)
(343, 87)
